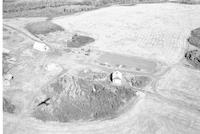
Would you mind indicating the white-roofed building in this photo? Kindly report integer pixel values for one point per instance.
(40, 46)
(116, 78)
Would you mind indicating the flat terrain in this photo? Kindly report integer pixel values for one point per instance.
(145, 30)
(69, 89)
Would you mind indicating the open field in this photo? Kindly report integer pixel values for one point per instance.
(162, 38)
(115, 70)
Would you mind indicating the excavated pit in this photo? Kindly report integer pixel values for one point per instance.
(86, 97)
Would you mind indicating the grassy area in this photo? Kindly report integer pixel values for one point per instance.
(53, 8)
(43, 27)
(194, 38)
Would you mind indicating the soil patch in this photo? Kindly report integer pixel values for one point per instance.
(126, 62)
(140, 81)
(86, 97)
(79, 41)
(194, 39)
(43, 27)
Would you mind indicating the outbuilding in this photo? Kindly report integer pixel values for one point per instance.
(116, 78)
(40, 46)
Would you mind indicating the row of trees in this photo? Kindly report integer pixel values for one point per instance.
(31, 5)
(59, 7)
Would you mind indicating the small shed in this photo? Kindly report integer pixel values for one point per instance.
(116, 78)
(40, 46)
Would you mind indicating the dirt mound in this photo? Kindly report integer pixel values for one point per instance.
(194, 39)
(79, 41)
(193, 57)
(43, 27)
(87, 97)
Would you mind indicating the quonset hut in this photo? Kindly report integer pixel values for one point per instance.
(116, 78)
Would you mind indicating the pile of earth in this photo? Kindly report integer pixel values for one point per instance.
(194, 38)
(88, 96)
(193, 57)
